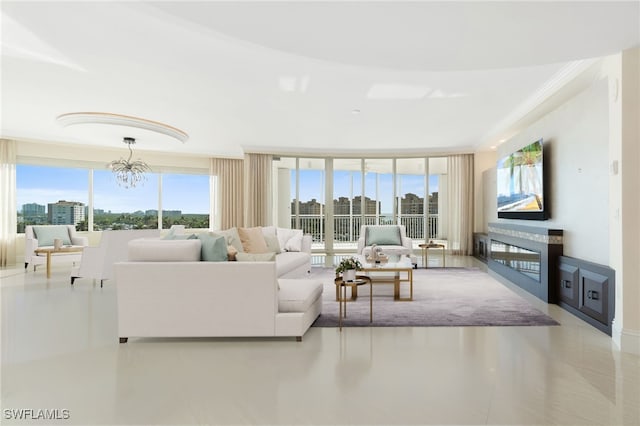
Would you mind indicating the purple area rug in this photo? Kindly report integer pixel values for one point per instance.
(441, 297)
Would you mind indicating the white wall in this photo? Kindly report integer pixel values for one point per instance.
(576, 158)
(484, 170)
(594, 186)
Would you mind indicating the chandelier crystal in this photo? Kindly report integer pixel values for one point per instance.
(129, 173)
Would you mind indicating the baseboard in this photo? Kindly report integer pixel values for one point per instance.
(626, 340)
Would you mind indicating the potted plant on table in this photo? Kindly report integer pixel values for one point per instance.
(348, 267)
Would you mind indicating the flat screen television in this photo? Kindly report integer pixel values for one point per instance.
(520, 180)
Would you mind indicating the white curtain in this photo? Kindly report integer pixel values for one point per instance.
(460, 204)
(8, 232)
(257, 189)
(230, 191)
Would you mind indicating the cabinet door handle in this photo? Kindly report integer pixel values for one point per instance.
(566, 284)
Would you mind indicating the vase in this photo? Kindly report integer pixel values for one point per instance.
(349, 275)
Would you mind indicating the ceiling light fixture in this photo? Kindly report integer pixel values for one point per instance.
(129, 174)
(121, 120)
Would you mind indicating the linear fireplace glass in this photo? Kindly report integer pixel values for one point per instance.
(525, 261)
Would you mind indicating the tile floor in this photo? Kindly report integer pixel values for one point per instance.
(60, 351)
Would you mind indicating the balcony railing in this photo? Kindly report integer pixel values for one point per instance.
(346, 228)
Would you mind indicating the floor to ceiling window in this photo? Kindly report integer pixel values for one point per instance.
(407, 191)
(379, 204)
(410, 193)
(437, 198)
(347, 202)
(308, 202)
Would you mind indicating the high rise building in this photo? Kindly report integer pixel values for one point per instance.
(33, 213)
(65, 212)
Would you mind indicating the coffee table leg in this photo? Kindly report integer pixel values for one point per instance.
(48, 264)
(340, 308)
(370, 300)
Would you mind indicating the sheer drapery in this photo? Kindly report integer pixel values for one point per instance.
(460, 204)
(8, 231)
(230, 191)
(257, 195)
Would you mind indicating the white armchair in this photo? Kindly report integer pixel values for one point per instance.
(42, 236)
(97, 263)
(391, 238)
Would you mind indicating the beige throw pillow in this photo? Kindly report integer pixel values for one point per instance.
(253, 240)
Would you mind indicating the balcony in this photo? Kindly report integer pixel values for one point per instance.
(347, 228)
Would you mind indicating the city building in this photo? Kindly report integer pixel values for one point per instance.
(65, 212)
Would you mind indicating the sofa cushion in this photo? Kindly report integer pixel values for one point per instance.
(156, 250)
(383, 235)
(253, 240)
(213, 249)
(285, 234)
(297, 295)
(232, 236)
(272, 243)
(255, 257)
(46, 234)
(288, 261)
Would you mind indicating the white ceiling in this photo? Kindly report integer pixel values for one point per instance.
(286, 76)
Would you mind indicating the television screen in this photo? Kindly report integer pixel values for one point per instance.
(520, 180)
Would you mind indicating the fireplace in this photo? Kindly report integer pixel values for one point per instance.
(526, 256)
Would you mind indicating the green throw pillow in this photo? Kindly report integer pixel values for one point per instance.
(383, 236)
(214, 249)
(46, 234)
(256, 257)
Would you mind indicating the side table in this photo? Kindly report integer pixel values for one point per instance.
(425, 253)
(342, 285)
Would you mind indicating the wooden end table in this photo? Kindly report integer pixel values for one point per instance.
(49, 251)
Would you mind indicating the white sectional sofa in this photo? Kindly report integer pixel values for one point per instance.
(164, 290)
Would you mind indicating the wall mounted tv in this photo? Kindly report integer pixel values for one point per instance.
(520, 179)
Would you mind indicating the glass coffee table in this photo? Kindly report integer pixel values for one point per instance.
(396, 270)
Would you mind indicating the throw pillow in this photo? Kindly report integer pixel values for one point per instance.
(256, 257)
(231, 236)
(253, 240)
(269, 230)
(231, 252)
(272, 243)
(383, 235)
(285, 234)
(294, 243)
(46, 234)
(214, 249)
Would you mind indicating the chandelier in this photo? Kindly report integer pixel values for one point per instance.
(129, 173)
